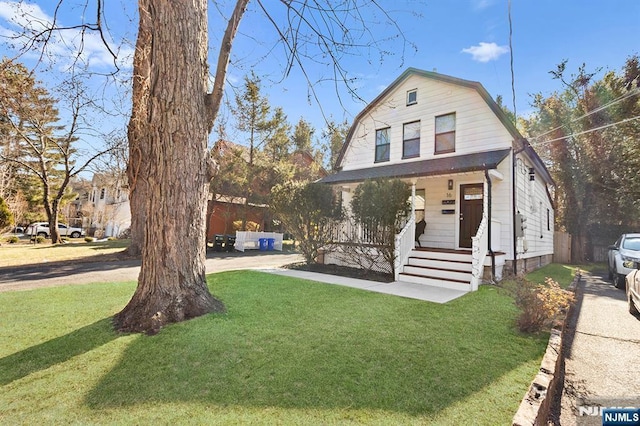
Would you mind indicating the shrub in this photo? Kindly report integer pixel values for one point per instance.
(541, 304)
(307, 210)
(40, 239)
(13, 239)
(380, 208)
(88, 239)
(6, 217)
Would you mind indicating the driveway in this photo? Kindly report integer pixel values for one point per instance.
(65, 273)
(602, 353)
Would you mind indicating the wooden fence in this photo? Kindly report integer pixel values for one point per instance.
(561, 247)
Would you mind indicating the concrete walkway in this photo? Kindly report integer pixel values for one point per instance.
(67, 273)
(397, 288)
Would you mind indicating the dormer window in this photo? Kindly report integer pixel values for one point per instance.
(412, 97)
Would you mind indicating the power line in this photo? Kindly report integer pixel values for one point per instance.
(513, 84)
(615, 101)
(587, 131)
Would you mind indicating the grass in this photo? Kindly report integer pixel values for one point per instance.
(21, 253)
(288, 351)
(563, 274)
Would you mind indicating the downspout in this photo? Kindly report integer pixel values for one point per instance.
(489, 203)
(514, 207)
(513, 216)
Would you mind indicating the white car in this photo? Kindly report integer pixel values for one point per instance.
(622, 258)
(42, 229)
(633, 290)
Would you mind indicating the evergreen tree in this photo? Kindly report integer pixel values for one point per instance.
(302, 135)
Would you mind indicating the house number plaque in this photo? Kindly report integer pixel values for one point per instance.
(448, 202)
(448, 211)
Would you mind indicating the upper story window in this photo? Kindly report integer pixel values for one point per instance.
(102, 193)
(445, 133)
(411, 140)
(412, 97)
(383, 145)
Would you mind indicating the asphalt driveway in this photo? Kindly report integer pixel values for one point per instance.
(602, 353)
(65, 273)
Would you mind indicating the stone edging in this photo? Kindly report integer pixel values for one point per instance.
(534, 408)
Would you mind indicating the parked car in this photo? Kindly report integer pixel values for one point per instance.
(42, 229)
(622, 257)
(633, 290)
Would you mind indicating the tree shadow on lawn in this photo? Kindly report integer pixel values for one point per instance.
(56, 351)
(306, 345)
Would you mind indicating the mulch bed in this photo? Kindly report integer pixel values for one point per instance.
(343, 271)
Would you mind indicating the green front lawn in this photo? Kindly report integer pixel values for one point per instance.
(288, 351)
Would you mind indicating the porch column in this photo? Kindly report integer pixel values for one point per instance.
(413, 199)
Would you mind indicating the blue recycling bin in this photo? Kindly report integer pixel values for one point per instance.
(263, 244)
(270, 243)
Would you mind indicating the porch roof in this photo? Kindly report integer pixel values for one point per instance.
(433, 167)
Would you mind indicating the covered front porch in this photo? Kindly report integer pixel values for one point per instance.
(460, 237)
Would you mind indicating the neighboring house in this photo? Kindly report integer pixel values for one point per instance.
(226, 204)
(482, 190)
(110, 212)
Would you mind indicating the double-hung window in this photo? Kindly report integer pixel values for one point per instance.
(411, 140)
(445, 133)
(383, 145)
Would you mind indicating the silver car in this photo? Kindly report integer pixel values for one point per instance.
(633, 290)
(622, 257)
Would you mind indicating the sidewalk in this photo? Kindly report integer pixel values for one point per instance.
(396, 288)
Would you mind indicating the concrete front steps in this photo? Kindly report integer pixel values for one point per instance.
(438, 267)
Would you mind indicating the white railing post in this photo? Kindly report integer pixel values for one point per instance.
(404, 243)
(479, 245)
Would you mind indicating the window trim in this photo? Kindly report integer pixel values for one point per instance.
(387, 145)
(436, 134)
(404, 140)
(415, 101)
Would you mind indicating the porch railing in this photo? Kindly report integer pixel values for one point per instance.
(404, 243)
(479, 245)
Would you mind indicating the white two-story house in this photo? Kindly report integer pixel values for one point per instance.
(482, 191)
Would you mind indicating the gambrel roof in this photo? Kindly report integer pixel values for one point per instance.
(520, 143)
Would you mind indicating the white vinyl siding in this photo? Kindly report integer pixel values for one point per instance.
(477, 127)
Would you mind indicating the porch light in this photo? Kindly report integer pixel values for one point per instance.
(450, 184)
(532, 174)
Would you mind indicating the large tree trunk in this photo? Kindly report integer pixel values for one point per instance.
(169, 168)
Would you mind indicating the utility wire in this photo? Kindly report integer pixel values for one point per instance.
(586, 131)
(615, 101)
(513, 84)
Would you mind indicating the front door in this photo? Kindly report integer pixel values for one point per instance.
(470, 212)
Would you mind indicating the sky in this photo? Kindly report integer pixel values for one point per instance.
(468, 39)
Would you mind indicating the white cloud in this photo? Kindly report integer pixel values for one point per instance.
(481, 4)
(23, 21)
(486, 52)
